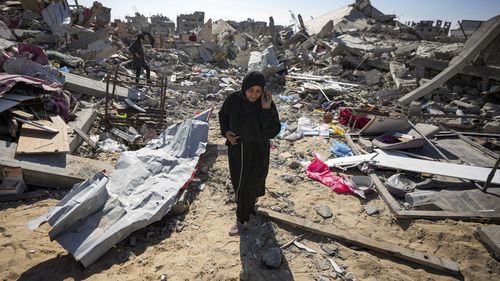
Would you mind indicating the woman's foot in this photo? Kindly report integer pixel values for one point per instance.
(236, 229)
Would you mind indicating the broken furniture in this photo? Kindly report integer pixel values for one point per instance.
(35, 139)
(135, 116)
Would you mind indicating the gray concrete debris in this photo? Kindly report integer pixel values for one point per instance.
(371, 209)
(350, 277)
(492, 127)
(372, 77)
(490, 237)
(490, 110)
(322, 278)
(330, 249)
(324, 211)
(323, 264)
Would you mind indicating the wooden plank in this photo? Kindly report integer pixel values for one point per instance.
(350, 237)
(84, 121)
(476, 145)
(86, 138)
(394, 160)
(22, 114)
(35, 140)
(386, 196)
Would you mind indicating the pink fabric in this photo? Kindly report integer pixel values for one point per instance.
(7, 81)
(345, 115)
(319, 171)
(39, 54)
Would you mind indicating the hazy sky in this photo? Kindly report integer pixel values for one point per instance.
(448, 10)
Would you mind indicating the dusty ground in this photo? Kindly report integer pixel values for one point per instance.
(196, 246)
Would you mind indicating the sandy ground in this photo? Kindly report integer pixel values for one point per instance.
(196, 246)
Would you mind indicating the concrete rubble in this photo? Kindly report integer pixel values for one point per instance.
(353, 75)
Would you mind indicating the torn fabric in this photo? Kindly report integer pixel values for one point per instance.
(319, 171)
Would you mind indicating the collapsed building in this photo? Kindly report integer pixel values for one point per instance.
(187, 23)
(417, 114)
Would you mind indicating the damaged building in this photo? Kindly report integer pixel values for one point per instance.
(187, 23)
(385, 166)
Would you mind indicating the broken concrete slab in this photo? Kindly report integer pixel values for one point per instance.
(79, 84)
(492, 127)
(399, 73)
(372, 77)
(371, 209)
(406, 50)
(490, 237)
(479, 41)
(52, 171)
(315, 25)
(472, 70)
(88, 38)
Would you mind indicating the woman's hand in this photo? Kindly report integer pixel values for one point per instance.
(231, 137)
(267, 99)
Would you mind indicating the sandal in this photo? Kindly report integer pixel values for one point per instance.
(236, 229)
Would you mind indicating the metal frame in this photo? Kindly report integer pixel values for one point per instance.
(156, 115)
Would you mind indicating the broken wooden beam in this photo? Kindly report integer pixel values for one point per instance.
(349, 237)
(82, 124)
(85, 137)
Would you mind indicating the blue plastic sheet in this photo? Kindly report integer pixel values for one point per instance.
(341, 149)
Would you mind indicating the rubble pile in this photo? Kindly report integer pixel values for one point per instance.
(353, 79)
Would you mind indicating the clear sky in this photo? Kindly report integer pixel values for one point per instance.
(448, 10)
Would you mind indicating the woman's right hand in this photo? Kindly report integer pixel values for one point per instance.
(231, 137)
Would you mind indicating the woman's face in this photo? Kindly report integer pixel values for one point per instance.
(253, 93)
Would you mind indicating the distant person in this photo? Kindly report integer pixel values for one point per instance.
(138, 59)
(248, 120)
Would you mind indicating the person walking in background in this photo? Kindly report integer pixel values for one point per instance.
(248, 120)
(138, 58)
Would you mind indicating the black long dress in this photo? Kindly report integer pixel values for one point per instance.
(249, 158)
